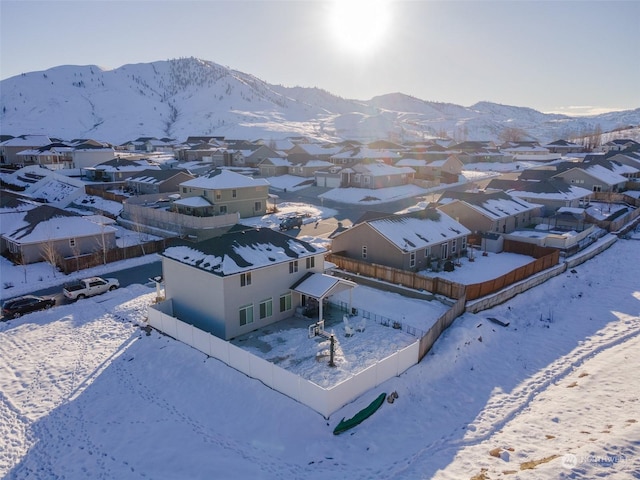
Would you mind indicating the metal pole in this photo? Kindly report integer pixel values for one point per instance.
(332, 339)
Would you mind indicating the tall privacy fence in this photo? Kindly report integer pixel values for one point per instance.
(544, 258)
(323, 400)
(102, 257)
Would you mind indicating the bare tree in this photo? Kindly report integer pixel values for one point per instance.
(512, 134)
(50, 254)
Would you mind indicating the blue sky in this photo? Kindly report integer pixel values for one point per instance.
(573, 57)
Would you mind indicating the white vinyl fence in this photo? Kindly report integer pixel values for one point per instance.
(325, 401)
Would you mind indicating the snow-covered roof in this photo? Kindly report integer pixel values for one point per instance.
(32, 228)
(411, 162)
(197, 202)
(27, 141)
(242, 250)
(319, 285)
(605, 174)
(492, 204)
(381, 169)
(418, 230)
(221, 179)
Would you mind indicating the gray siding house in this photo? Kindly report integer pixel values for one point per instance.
(46, 231)
(241, 281)
(407, 242)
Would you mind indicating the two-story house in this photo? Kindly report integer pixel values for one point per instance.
(244, 280)
(223, 191)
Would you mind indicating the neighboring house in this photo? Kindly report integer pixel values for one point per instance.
(244, 280)
(256, 155)
(552, 194)
(363, 154)
(534, 153)
(618, 145)
(272, 167)
(117, 170)
(223, 191)
(42, 232)
(376, 175)
(157, 181)
(309, 168)
(593, 177)
(409, 241)
(444, 170)
(55, 156)
(9, 149)
(488, 211)
(564, 147)
(89, 153)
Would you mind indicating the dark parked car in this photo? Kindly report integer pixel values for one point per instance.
(16, 307)
(291, 222)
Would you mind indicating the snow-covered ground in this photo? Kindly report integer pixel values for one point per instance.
(87, 391)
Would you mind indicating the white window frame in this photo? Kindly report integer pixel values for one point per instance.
(267, 306)
(248, 314)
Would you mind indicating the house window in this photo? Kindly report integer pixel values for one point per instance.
(257, 206)
(234, 193)
(266, 308)
(245, 279)
(412, 259)
(427, 252)
(72, 242)
(285, 302)
(454, 244)
(311, 262)
(293, 266)
(223, 209)
(364, 251)
(246, 315)
(464, 243)
(445, 250)
(13, 248)
(367, 180)
(218, 195)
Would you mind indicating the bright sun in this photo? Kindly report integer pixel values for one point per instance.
(359, 25)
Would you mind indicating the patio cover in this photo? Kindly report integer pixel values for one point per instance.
(320, 285)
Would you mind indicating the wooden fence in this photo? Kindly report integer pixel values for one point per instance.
(544, 258)
(444, 322)
(80, 262)
(101, 190)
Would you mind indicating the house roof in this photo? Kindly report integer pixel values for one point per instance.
(379, 169)
(320, 285)
(45, 223)
(242, 249)
(494, 204)
(220, 179)
(548, 189)
(155, 176)
(196, 202)
(415, 230)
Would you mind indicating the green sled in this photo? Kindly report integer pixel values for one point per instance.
(359, 417)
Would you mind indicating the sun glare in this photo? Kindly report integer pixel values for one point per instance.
(359, 26)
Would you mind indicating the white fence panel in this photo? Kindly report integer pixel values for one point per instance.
(315, 397)
(387, 368)
(287, 383)
(169, 325)
(201, 340)
(220, 349)
(239, 359)
(185, 332)
(261, 369)
(408, 357)
(341, 394)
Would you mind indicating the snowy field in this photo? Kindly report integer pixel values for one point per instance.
(86, 391)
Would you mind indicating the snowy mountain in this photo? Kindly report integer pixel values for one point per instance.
(188, 96)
